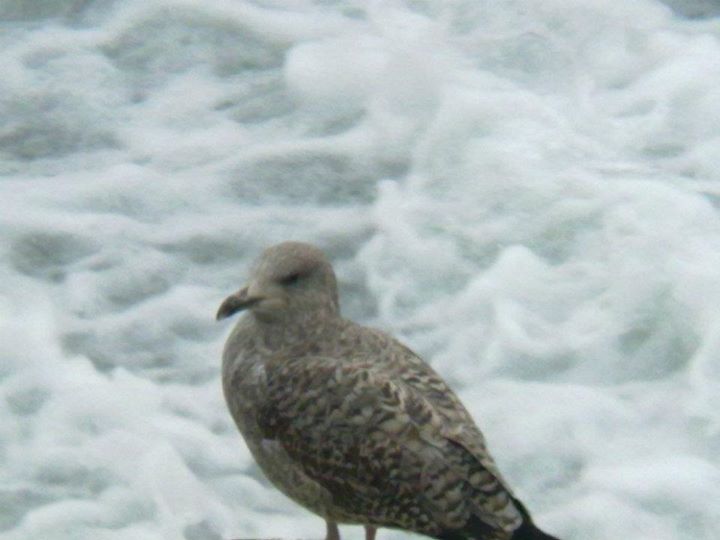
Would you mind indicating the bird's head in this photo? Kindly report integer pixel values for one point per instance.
(288, 280)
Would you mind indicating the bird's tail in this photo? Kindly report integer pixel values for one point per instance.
(477, 529)
(528, 530)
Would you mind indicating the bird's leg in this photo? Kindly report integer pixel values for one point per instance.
(332, 531)
(370, 532)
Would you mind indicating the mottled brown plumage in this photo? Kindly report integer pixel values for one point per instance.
(349, 422)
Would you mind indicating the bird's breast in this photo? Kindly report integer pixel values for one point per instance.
(245, 388)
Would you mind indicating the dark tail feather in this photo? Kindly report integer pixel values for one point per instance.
(528, 530)
(477, 529)
(474, 528)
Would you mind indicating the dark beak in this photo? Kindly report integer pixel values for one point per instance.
(234, 303)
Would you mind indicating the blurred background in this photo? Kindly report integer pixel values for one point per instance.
(525, 192)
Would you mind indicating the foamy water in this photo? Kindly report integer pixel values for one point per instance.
(525, 192)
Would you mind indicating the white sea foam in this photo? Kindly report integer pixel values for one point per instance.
(526, 192)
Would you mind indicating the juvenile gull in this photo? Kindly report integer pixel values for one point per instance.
(349, 422)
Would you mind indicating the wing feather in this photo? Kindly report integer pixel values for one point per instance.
(388, 455)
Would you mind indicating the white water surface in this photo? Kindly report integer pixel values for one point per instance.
(525, 192)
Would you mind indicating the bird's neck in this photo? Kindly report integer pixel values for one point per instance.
(273, 335)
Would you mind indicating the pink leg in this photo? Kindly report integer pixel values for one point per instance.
(370, 532)
(332, 531)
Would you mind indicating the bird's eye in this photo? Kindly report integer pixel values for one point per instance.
(291, 279)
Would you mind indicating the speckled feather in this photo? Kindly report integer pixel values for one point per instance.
(352, 424)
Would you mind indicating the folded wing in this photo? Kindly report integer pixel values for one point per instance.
(389, 454)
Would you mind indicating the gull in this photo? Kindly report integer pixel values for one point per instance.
(349, 422)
